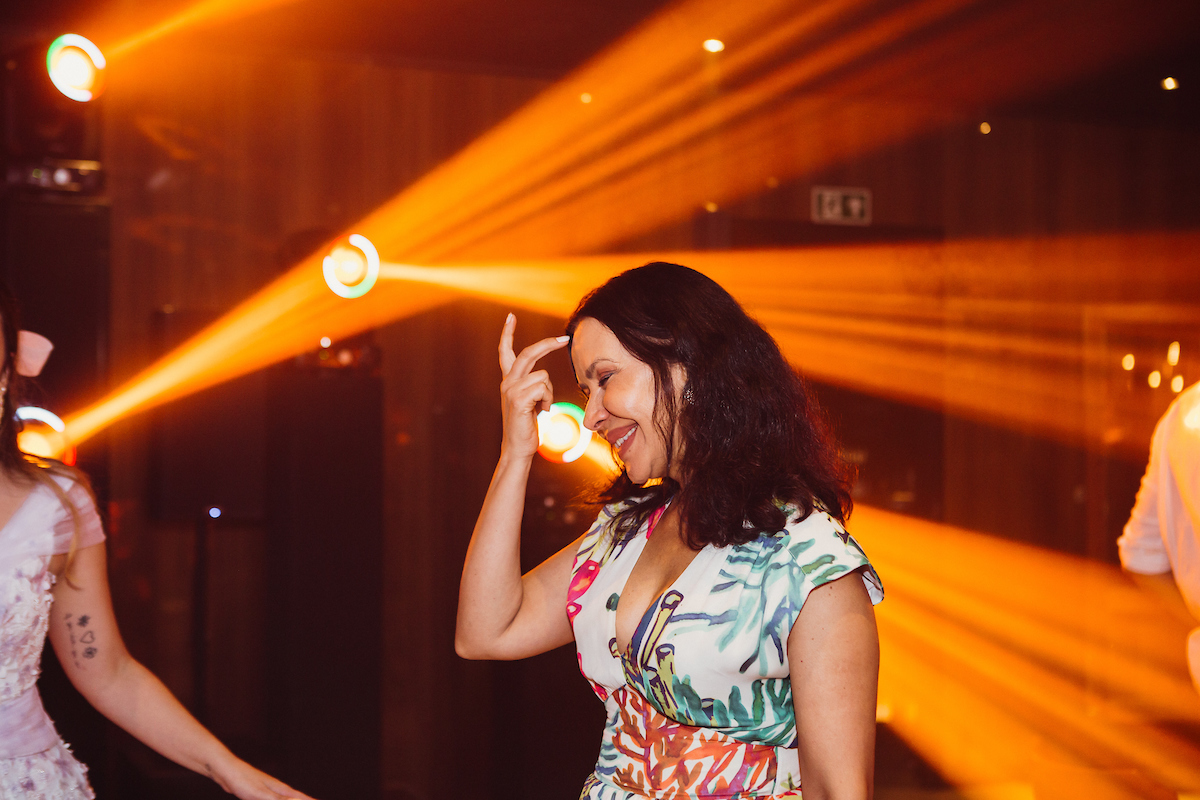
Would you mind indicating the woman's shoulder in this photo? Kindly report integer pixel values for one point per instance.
(815, 548)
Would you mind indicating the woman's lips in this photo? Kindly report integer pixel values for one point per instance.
(622, 438)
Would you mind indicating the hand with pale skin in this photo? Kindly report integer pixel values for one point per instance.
(524, 390)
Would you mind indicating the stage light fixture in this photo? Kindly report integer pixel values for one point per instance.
(43, 434)
(1154, 379)
(214, 512)
(1127, 362)
(1173, 354)
(714, 45)
(1177, 384)
(561, 435)
(76, 67)
(1170, 84)
(352, 266)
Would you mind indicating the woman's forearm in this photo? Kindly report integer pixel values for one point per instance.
(137, 701)
(491, 590)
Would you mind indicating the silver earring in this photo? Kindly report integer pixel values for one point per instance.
(688, 396)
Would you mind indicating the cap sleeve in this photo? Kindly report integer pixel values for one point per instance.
(91, 530)
(813, 552)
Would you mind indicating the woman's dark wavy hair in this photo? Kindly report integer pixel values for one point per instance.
(752, 436)
(16, 464)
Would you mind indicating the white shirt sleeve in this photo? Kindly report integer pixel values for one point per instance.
(1141, 544)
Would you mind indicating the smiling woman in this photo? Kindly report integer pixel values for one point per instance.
(706, 601)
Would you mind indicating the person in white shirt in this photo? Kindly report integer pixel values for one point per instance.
(1161, 541)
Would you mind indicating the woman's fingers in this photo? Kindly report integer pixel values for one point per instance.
(530, 355)
(532, 392)
(507, 356)
(517, 365)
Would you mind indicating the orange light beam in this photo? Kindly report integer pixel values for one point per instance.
(1023, 656)
(203, 12)
(561, 177)
(854, 81)
(874, 318)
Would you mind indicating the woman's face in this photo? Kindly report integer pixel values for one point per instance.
(621, 400)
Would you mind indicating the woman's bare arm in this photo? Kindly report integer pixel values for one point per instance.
(502, 614)
(83, 632)
(833, 651)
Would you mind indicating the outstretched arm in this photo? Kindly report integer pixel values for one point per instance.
(83, 632)
(501, 613)
(833, 651)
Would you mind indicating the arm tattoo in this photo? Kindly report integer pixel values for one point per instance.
(86, 638)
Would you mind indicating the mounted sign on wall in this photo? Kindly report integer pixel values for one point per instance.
(841, 205)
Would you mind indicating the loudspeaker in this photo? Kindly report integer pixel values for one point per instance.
(325, 519)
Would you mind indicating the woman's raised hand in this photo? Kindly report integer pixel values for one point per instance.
(524, 391)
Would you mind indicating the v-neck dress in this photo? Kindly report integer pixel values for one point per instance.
(700, 704)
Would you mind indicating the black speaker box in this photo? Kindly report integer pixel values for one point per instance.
(325, 518)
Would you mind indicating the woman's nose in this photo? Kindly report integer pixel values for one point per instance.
(593, 413)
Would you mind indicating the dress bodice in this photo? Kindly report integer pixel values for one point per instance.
(42, 526)
(700, 703)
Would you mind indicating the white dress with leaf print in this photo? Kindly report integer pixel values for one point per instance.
(700, 705)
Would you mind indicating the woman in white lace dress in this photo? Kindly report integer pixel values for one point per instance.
(53, 579)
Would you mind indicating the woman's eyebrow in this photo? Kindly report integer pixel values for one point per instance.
(591, 370)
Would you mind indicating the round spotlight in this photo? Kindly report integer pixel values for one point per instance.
(1170, 84)
(76, 67)
(561, 435)
(714, 45)
(43, 434)
(352, 266)
(214, 512)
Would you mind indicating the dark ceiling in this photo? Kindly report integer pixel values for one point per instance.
(541, 38)
(544, 38)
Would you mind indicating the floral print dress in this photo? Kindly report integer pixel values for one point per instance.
(700, 704)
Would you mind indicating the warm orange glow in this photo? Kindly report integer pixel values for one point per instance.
(812, 85)
(1170, 83)
(1127, 362)
(1040, 669)
(195, 13)
(283, 319)
(36, 443)
(1154, 379)
(73, 67)
(873, 318)
(559, 178)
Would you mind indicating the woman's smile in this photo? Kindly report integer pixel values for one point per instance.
(620, 438)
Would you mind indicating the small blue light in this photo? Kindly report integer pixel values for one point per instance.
(214, 512)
